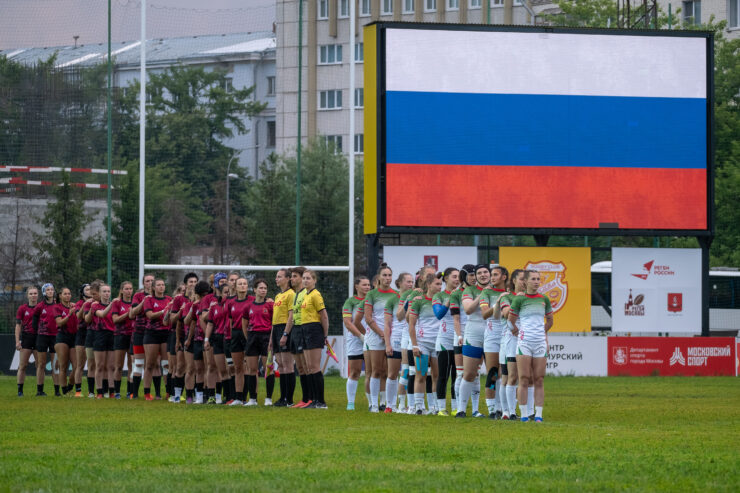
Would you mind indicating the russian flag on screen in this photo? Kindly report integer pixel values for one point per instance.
(557, 130)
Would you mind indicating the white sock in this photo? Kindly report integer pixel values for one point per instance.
(501, 394)
(458, 380)
(491, 405)
(178, 392)
(497, 404)
(381, 396)
(411, 400)
(218, 398)
(369, 400)
(453, 404)
(199, 396)
(530, 401)
(475, 395)
(523, 410)
(374, 391)
(351, 390)
(466, 389)
(391, 386)
(511, 398)
(401, 400)
(432, 400)
(441, 404)
(419, 398)
(537, 411)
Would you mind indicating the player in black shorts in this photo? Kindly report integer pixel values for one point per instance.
(25, 334)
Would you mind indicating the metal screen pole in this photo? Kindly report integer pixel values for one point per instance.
(298, 146)
(142, 135)
(110, 153)
(351, 252)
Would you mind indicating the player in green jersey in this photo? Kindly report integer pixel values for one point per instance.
(404, 284)
(531, 318)
(353, 337)
(423, 328)
(492, 340)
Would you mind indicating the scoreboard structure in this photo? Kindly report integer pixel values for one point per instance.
(518, 130)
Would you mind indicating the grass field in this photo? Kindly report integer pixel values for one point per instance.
(669, 434)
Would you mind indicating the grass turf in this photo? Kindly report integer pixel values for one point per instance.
(669, 434)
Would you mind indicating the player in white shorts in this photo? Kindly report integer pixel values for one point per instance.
(354, 335)
(446, 338)
(423, 329)
(492, 341)
(404, 283)
(531, 318)
(473, 301)
(509, 380)
(375, 303)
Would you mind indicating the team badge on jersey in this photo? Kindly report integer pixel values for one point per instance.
(552, 281)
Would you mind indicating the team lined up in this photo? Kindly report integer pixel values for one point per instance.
(210, 340)
(441, 327)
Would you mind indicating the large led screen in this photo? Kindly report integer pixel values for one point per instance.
(536, 129)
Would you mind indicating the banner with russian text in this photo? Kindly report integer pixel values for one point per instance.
(671, 356)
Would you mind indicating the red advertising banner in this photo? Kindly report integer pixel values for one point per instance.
(666, 356)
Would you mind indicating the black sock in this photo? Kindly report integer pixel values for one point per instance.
(320, 386)
(117, 386)
(282, 380)
(314, 385)
(252, 386)
(429, 384)
(105, 384)
(78, 387)
(199, 386)
(137, 384)
(232, 387)
(100, 391)
(189, 393)
(219, 388)
(269, 386)
(245, 387)
(20, 388)
(40, 388)
(147, 390)
(290, 387)
(157, 384)
(304, 387)
(56, 389)
(91, 385)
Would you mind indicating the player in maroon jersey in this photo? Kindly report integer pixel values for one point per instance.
(174, 344)
(155, 337)
(92, 331)
(213, 342)
(25, 334)
(66, 320)
(238, 308)
(122, 336)
(104, 343)
(46, 332)
(257, 325)
(80, 338)
(140, 323)
(194, 344)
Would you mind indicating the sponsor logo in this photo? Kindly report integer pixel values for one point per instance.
(675, 302)
(656, 270)
(619, 355)
(634, 306)
(553, 283)
(677, 357)
(432, 260)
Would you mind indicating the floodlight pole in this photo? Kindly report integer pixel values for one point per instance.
(142, 137)
(351, 248)
(298, 146)
(110, 154)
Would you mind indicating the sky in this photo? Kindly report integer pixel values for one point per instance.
(42, 23)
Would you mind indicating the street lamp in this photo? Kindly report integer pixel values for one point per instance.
(229, 175)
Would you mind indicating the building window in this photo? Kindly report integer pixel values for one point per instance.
(323, 7)
(364, 8)
(359, 143)
(334, 142)
(359, 52)
(497, 3)
(692, 12)
(271, 138)
(474, 4)
(227, 84)
(453, 4)
(271, 85)
(359, 97)
(343, 8)
(329, 54)
(387, 7)
(430, 5)
(733, 19)
(330, 100)
(408, 6)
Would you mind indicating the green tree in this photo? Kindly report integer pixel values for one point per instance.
(60, 246)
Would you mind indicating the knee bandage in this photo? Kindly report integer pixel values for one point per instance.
(229, 361)
(412, 371)
(423, 363)
(139, 366)
(165, 367)
(491, 378)
(404, 379)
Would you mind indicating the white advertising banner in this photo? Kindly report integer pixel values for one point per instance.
(577, 356)
(412, 258)
(656, 290)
